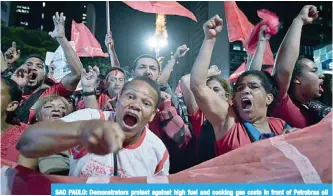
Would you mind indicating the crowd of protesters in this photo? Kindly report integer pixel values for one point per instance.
(139, 126)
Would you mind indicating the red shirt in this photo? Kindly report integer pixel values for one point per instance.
(57, 89)
(103, 103)
(292, 113)
(9, 139)
(237, 136)
(197, 119)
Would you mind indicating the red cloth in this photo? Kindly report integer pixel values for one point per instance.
(103, 103)
(9, 139)
(86, 44)
(237, 136)
(197, 119)
(241, 29)
(57, 89)
(161, 7)
(292, 113)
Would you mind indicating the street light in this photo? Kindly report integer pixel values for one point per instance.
(160, 39)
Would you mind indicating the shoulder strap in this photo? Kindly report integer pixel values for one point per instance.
(115, 164)
(24, 109)
(255, 134)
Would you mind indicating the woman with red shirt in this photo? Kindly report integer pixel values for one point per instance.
(246, 120)
(11, 128)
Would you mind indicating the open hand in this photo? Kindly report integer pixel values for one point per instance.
(21, 76)
(88, 80)
(59, 26)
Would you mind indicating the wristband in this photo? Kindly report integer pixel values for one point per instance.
(86, 94)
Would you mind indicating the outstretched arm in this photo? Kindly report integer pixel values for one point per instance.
(213, 107)
(109, 43)
(51, 137)
(11, 56)
(165, 75)
(256, 62)
(289, 49)
(71, 80)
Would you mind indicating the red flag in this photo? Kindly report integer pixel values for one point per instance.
(86, 44)
(161, 7)
(233, 77)
(241, 29)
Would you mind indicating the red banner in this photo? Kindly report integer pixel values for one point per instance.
(86, 44)
(161, 7)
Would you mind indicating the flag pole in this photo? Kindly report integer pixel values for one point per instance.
(108, 28)
(107, 16)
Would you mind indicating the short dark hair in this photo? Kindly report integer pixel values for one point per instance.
(113, 69)
(149, 81)
(224, 83)
(15, 94)
(146, 56)
(267, 81)
(38, 56)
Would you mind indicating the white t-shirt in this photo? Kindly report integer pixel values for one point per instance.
(147, 157)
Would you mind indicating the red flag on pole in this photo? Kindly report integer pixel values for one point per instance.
(241, 29)
(161, 7)
(86, 44)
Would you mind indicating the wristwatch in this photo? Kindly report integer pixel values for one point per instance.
(86, 94)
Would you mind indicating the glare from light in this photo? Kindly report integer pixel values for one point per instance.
(152, 42)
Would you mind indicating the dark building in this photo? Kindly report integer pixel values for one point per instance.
(38, 15)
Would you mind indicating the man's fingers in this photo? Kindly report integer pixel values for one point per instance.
(14, 45)
(18, 52)
(83, 72)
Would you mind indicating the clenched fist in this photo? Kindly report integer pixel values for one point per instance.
(101, 137)
(308, 14)
(213, 27)
(181, 51)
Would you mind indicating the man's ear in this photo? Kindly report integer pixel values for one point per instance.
(269, 99)
(12, 106)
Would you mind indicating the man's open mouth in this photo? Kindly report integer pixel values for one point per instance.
(246, 103)
(130, 119)
(32, 77)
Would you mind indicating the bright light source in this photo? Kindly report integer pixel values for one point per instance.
(152, 42)
(163, 43)
(44, 4)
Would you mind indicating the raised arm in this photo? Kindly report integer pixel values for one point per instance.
(51, 137)
(189, 98)
(256, 62)
(165, 75)
(213, 107)
(88, 81)
(109, 43)
(71, 80)
(289, 49)
(11, 56)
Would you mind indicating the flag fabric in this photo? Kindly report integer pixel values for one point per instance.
(241, 29)
(161, 7)
(304, 156)
(85, 43)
